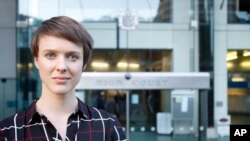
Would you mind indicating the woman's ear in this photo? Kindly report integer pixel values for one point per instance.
(35, 62)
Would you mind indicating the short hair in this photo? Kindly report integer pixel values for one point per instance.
(66, 28)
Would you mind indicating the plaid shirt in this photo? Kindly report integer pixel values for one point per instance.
(85, 124)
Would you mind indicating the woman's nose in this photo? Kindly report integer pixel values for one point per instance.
(62, 65)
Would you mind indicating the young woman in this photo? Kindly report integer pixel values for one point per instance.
(61, 48)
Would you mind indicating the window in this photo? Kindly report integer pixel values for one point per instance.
(132, 61)
(98, 10)
(238, 11)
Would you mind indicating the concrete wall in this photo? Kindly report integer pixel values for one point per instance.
(7, 57)
(220, 68)
(8, 38)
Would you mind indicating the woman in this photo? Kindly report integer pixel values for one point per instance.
(61, 48)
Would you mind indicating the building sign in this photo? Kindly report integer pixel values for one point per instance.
(143, 80)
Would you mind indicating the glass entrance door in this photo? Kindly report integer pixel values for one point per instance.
(143, 108)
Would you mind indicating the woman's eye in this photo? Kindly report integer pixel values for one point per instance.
(73, 57)
(50, 56)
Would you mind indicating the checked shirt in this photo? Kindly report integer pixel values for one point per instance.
(85, 124)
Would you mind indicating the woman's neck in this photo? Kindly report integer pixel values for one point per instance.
(56, 104)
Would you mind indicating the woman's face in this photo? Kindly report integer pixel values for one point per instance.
(60, 64)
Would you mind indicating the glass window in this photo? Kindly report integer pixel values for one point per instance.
(98, 10)
(238, 11)
(131, 61)
(238, 62)
(144, 106)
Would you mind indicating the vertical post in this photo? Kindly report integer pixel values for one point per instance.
(203, 115)
(117, 34)
(127, 114)
(3, 80)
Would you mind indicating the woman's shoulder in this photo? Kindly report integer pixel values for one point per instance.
(19, 119)
(99, 113)
(6, 121)
(94, 113)
(13, 120)
(9, 124)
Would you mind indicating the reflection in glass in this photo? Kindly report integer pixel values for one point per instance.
(238, 11)
(137, 61)
(144, 105)
(97, 10)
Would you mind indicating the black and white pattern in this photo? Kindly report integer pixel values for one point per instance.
(85, 124)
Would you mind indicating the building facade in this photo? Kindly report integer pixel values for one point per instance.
(172, 36)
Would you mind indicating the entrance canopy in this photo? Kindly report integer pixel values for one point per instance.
(143, 80)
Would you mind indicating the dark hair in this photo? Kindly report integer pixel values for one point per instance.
(65, 28)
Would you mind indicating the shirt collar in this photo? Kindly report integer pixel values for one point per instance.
(32, 114)
(83, 109)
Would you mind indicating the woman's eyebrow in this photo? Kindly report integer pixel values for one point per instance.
(73, 52)
(67, 52)
(48, 50)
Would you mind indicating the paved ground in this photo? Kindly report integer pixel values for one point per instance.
(149, 136)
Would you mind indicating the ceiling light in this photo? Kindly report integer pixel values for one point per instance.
(229, 58)
(238, 79)
(230, 65)
(130, 65)
(232, 55)
(245, 64)
(99, 65)
(246, 53)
